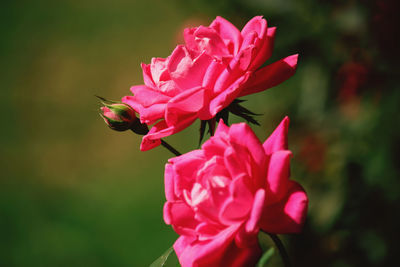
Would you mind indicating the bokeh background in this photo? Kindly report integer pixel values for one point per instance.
(75, 193)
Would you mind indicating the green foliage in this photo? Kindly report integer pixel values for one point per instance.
(168, 259)
(266, 256)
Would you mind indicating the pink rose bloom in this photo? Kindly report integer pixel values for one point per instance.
(218, 64)
(219, 197)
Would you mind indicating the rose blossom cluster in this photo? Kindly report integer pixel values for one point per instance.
(221, 196)
(217, 64)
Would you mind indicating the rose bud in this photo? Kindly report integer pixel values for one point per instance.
(118, 116)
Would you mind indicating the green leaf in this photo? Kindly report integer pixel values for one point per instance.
(265, 257)
(167, 259)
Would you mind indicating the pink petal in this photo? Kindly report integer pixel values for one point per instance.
(278, 139)
(256, 211)
(288, 215)
(233, 163)
(208, 40)
(242, 135)
(161, 129)
(212, 74)
(238, 205)
(236, 69)
(193, 253)
(278, 175)
(270, 75)
(223, 99)
(181, 217)
(257, 25)
(185, 71)
(207, 231)
(249, 154)
(169, 182)
(265, 51)
(251, 39)
(240, 256)
(190, 39)
(148, 144)
(147, 115)
(222, 130)
(158, 69)
(147, 76)
(217, 144)
(185, 104)
(185, 168)
(228, 32)
(147, 96)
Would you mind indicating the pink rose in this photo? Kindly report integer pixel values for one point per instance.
(220, 196)
(218, 64)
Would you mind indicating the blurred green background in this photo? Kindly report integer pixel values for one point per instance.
(74, 193)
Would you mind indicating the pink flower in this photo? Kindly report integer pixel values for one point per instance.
(219, 197)
(218, 64)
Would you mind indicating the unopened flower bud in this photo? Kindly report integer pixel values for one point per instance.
(118, 116)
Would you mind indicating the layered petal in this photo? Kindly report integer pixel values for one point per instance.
(229, 34)
(185, 71)
(223, 99)
(278, 139)
(256, 25)
(183, 105)
(288, 215)
(265, 48)
(205, 253)
(270, 76)
(278, 175)
(161, 129)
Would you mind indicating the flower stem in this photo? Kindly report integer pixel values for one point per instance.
(281, 248)
(170, 148)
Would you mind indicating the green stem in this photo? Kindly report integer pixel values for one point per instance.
(170, 148)
(281, 248)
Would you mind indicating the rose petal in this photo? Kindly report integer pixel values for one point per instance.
(169, 182)
(181, 217)
(278, 139)
(228, 32)
(237, 68)
(185, 71)
(204, 253)
(257, 25)
(278, 175)
(217, 144)
(212, 74)
(223, 99)
(208, 40)
(233, 163)
(242, 135)
(161, 129)
(270, 75)
(256, 211)
(185, 168)
(288, 215)
(239, 204)
(188, 103)
(147, 76)
(265, 51)
(147, 96)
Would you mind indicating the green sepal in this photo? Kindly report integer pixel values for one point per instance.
(267, 248)
(266, 256)
(167, 259)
